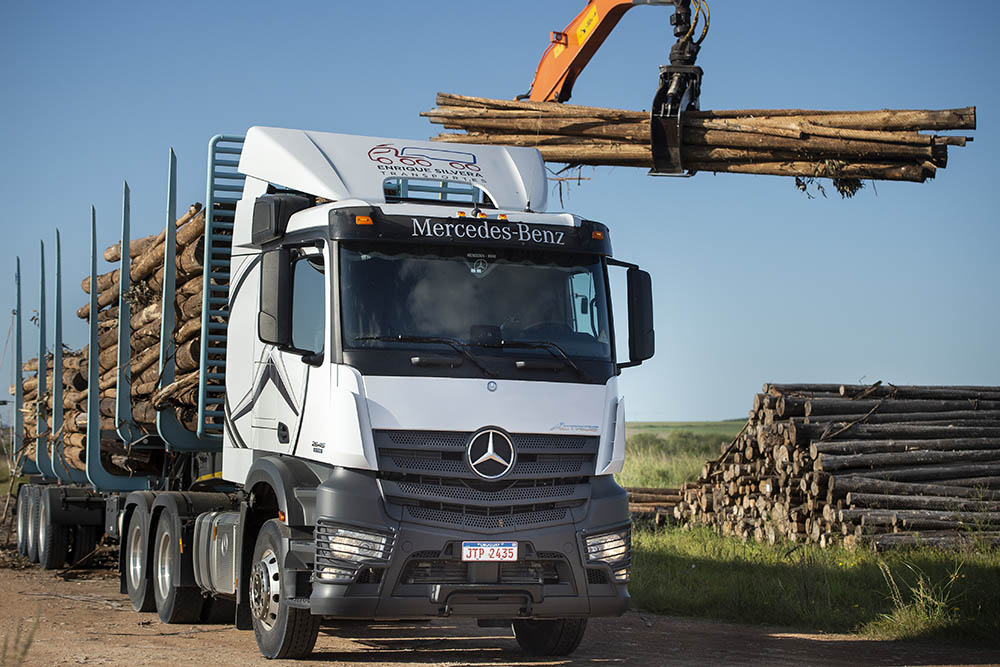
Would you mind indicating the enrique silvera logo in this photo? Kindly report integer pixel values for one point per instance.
(488, 230)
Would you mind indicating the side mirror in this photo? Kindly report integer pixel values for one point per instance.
(274, 321)
(641, 338)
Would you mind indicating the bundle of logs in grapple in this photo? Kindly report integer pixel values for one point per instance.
(876, 465)
(843, 145)
(148, 396)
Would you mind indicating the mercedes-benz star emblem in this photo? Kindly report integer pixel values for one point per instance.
(491, 453)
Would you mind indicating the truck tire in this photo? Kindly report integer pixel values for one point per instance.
(281, 631)
(84, 542)
(23, 519)
(174, 604)
(33, 495)
(53, 538)
(137, 580)
(550, 637)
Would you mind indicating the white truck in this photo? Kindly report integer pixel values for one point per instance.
(420, 414)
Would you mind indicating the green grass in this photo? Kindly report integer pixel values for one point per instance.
(727, 428)
(667, 454)
(926, 592)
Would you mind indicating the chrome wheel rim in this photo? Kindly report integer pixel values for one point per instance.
(22, 519)
(42, 530)
(135, 556)
(265, 590)
(164, 565)
(32, 513)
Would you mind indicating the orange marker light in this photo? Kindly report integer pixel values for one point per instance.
(281, 515)
(481, 215)
(461, 214)
(502, 216)
(597, 236)
(363, 220)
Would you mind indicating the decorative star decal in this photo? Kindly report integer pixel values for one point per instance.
(267, 372)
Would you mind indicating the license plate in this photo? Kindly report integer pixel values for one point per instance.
(489, 551)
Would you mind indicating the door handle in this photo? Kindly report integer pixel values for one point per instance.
(282, 433)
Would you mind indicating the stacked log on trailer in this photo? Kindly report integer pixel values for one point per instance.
(144, 297)
(73, 430)
(148, 396)
(867, 465)
(846, 146)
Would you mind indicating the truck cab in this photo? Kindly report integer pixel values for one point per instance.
(421, 368)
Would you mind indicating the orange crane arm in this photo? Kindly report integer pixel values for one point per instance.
(572, 48)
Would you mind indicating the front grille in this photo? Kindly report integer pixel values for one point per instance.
(427, 474)
(513, 494)
(457, 440)
(442, 571)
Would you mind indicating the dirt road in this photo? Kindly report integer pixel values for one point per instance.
(84, 620)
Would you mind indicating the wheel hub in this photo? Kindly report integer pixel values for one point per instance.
(265, 590)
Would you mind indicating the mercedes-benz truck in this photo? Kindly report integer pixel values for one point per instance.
(408, 402)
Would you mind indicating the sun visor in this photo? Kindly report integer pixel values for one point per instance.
(342, 166)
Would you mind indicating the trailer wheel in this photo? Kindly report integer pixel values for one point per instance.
(23, 518)
(550, 637)
(53, 538)
(174, 604)
(33, 495)
(281, 631)
(140, 588)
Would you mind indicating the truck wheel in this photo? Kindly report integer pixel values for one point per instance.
(281, 631)
(84, 542)
(33, 495)
(174, 604)
(53, 538)
(23, 519)
(140, 588)
(556, 637)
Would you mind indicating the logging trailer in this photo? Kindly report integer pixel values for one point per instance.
(408, 401)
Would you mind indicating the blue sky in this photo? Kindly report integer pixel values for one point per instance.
(753, 281)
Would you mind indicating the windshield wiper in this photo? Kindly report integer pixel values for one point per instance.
(553, 349)
(455, 344)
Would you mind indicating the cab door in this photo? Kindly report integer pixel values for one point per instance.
(282, 373)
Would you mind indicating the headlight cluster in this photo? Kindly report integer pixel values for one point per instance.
(342, 550)
(613, 548)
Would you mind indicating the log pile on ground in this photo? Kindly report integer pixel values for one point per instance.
(878, 466)
(846, 146)
(147, 396)
(655, 504)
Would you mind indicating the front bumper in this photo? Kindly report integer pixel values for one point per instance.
(424, 576)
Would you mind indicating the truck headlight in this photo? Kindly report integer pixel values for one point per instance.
(613, 548)
(342, 550)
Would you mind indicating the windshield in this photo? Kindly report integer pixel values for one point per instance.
(487, 298)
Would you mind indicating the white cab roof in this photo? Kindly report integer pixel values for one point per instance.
(344, 166)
